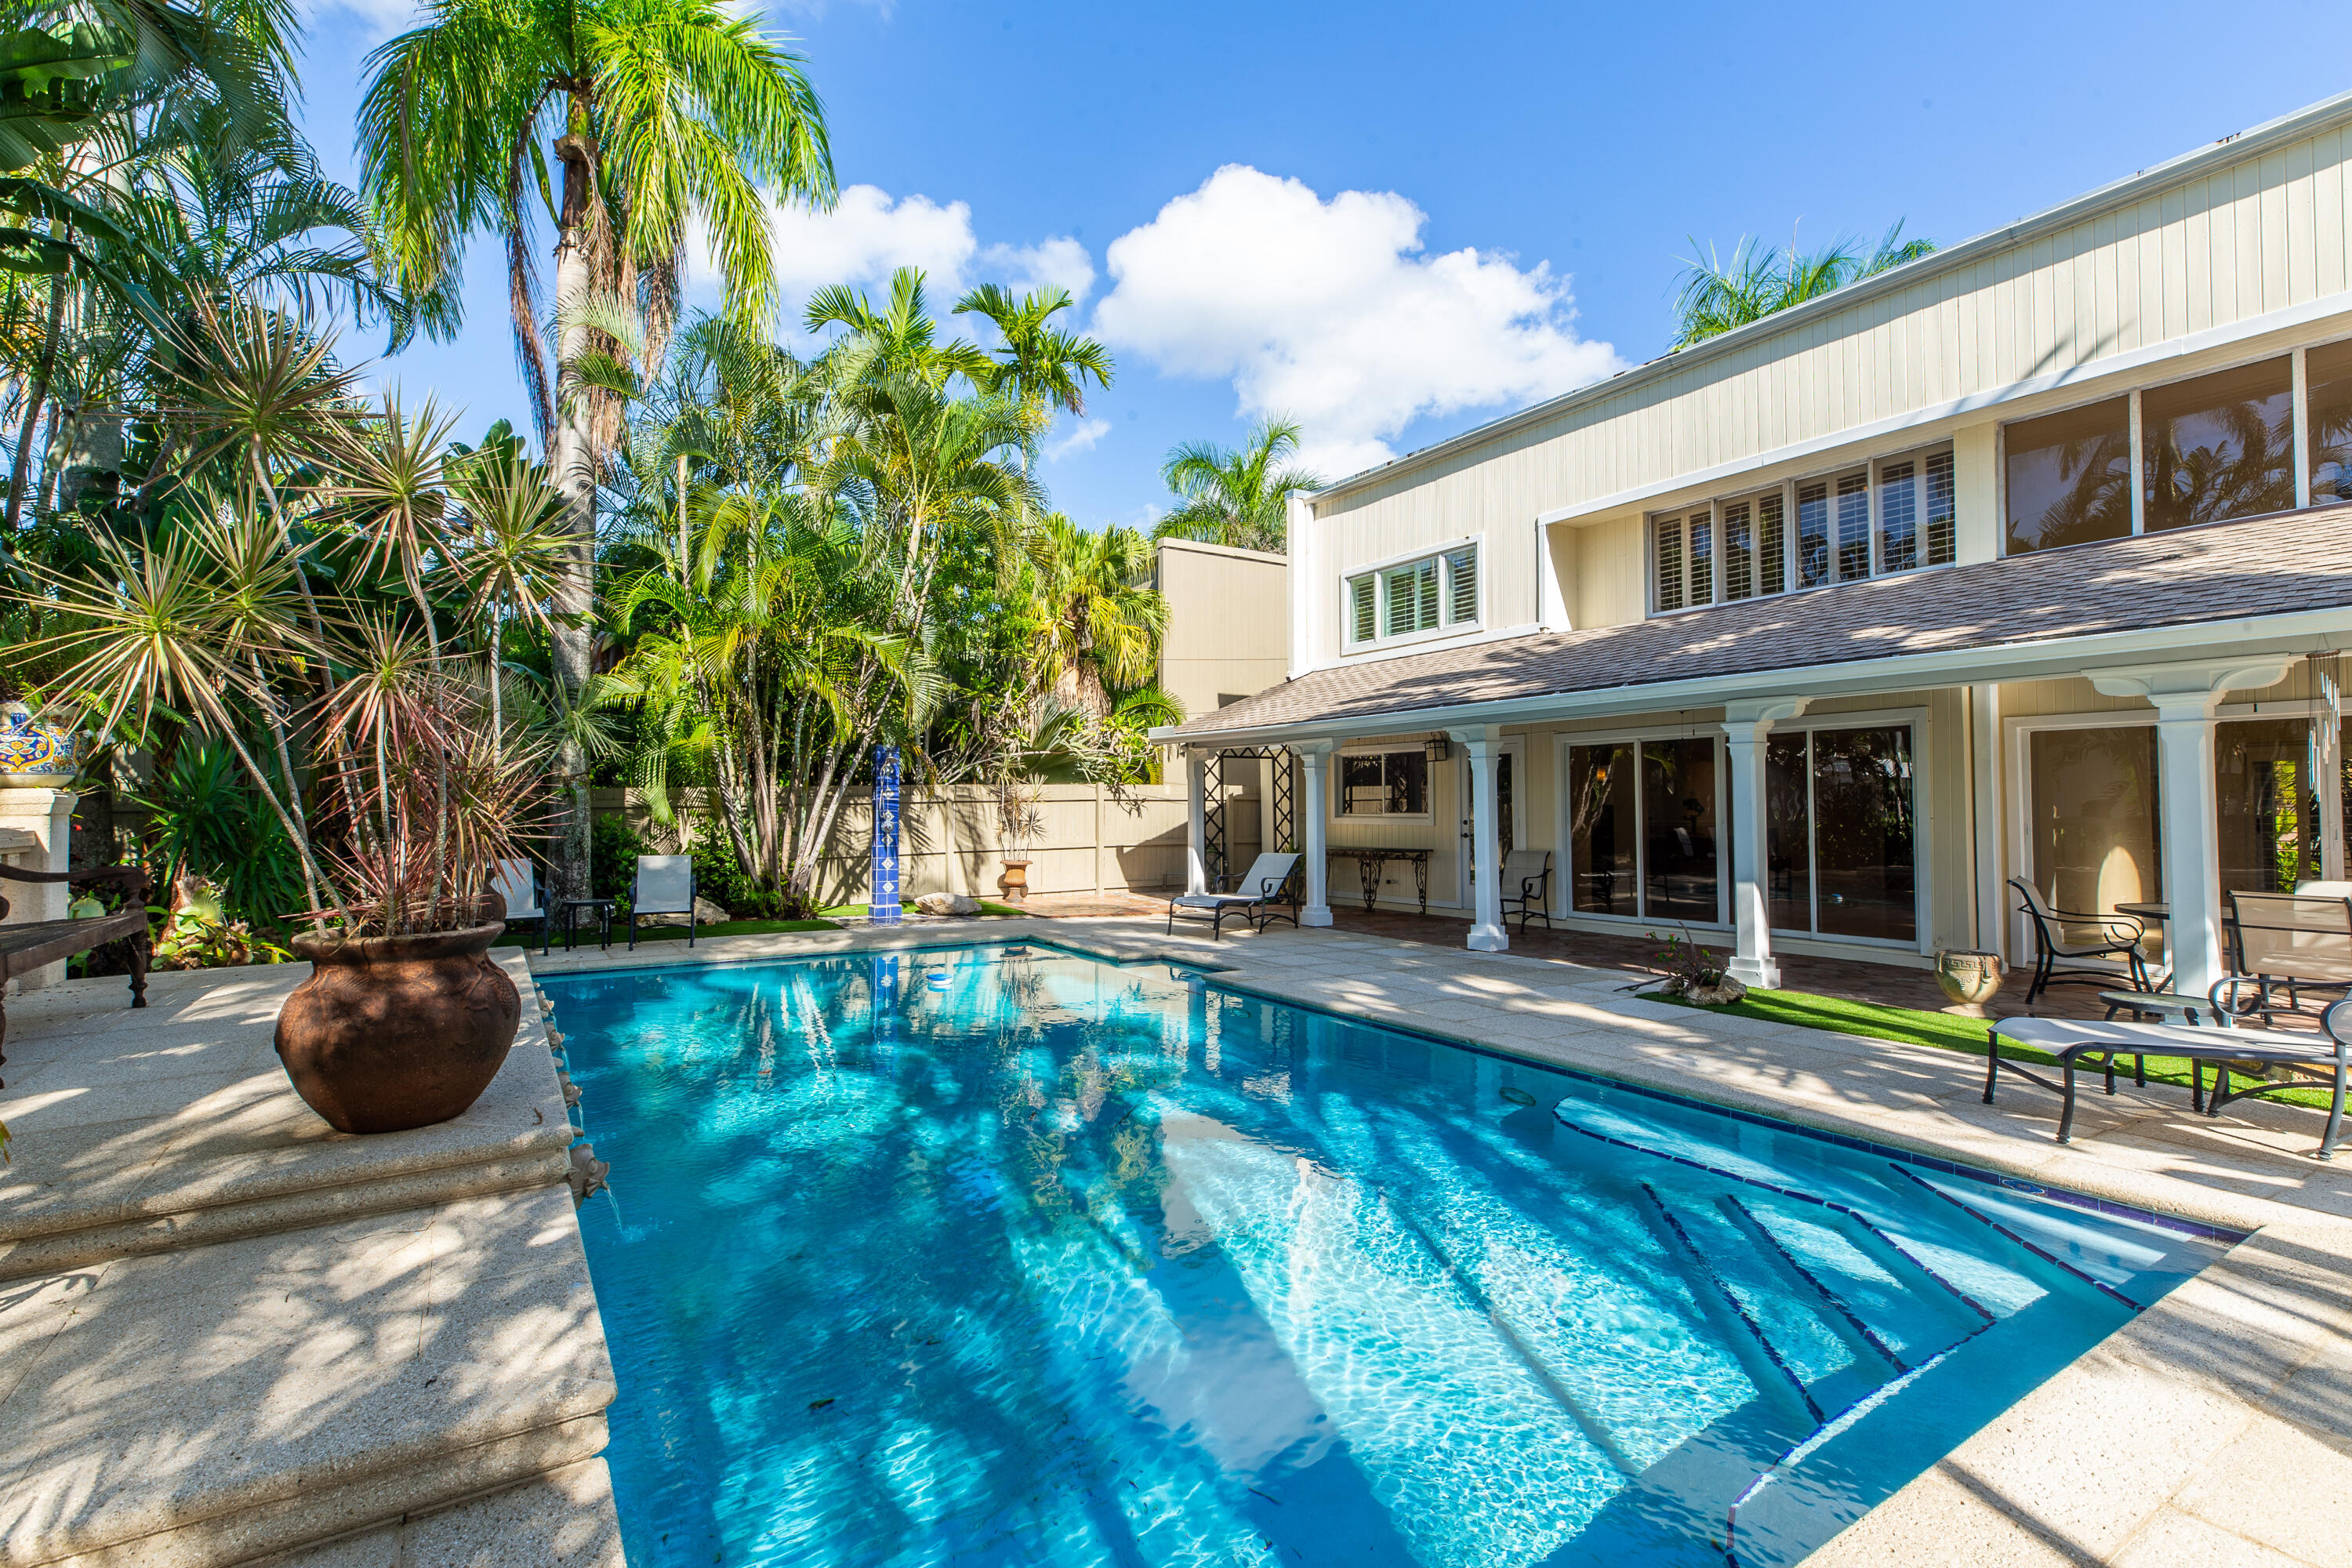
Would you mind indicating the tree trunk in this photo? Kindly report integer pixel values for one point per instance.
(575, 481)
(34, 395)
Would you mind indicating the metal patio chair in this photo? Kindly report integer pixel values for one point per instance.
(1527, 886)
(517, 886)
(2293, 940)
(1255, 894)
(2071, 934)
(665, 885)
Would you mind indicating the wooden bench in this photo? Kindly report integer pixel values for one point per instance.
(25, 948)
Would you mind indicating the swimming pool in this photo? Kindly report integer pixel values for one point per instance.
(1013, 1256)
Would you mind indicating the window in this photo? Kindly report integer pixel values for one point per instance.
(2220, 445)
(1895, 515)
(2266, 807)
(2069, 477)
(1838, 841)
(1384, 784)
(1417, 596)
(1642, 829)
(2327, 397)
(1812, 534)
(2094, 838)
(1412, 595)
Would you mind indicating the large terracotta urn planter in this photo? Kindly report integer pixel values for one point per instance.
(395, 1032)
(1015, 881)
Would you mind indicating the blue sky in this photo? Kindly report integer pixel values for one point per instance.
(1393, 222)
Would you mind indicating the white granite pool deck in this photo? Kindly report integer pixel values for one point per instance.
(229, 1334)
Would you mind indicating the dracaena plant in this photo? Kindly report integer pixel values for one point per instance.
(317, 615)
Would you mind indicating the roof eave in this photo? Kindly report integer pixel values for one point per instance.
(2303, 631)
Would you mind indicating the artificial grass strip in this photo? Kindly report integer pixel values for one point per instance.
(1944, 1031)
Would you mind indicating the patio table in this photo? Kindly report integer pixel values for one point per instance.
(1371, 865)
(603, 909)
(2159, 912)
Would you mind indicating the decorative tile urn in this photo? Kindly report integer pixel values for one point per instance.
(1970, 979)
(33, 755)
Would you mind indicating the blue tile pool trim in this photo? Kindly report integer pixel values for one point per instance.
(1222, 978)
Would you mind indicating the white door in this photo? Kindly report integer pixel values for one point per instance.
(1510, 768)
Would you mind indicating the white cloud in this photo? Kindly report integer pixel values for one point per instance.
(871, 234)
(866, 236)
(1082, 437)
(1059, 262)
(1329, 312)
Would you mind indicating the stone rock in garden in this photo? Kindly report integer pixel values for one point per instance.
(948, 904)
(705, 914)
(1724, 989)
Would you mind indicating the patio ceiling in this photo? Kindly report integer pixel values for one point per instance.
(2282, 582)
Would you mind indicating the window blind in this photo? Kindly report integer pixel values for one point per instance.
(1943, 542)
(1772, 545)
(1852, 527)
(1812, 534)
(1898, 518)
(1702, 559)
(1362, 602)
(1739, 552)
(1462, 586)
(1670, 563)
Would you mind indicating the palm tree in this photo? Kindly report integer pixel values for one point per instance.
(1102, 624)
(661, 113)
(1239, 498)
(1714, 296)
(1038, 359)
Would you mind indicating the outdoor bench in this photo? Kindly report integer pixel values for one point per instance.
(25, 948)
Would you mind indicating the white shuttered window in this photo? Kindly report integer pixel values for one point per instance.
(1897, 514)
(1434, 592)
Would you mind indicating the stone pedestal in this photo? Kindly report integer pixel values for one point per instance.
(37, 835)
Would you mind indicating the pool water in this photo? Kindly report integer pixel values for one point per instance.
(1012, 1256)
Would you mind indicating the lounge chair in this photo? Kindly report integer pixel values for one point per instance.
(2070, 934)
(1527, 886)
(1254, 895)
(664, 885)
(2310, 1061)
(2293, 940)
(517, 886)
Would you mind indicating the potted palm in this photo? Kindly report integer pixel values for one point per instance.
(315, 616)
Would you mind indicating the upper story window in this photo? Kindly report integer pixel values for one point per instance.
(1429, 593)
(2201, 450)
(1896, 514)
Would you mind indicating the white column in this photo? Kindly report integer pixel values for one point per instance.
(1745, 725)
(1985, 776)
(1196, 820)
(39, 824)
(2186, 696)
(2193, 859)
(2329, 787)
(1315, 758)
(1487, 932)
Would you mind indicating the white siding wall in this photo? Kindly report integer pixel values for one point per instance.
(2222, 249)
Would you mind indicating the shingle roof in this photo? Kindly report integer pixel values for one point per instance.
(2270, 565)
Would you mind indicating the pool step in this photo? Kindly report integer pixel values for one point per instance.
(212, 1407)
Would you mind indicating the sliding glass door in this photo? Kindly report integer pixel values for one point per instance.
(1642, 829)
(1840, 844)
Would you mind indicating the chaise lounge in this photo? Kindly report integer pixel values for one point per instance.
(1255, 893)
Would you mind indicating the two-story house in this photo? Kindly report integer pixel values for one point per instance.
(2024, 560)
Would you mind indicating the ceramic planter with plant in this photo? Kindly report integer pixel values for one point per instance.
(33, 755)
(1021, 823)
(348, 668)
